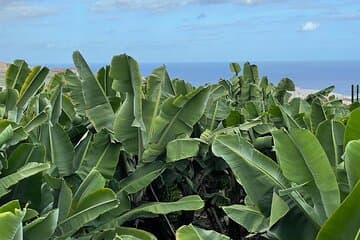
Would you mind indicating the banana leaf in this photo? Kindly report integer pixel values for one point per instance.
(127, 79)
(90, 208)
(94, 181)
(74, 90)
(352, 162)
(188, 203)
(61, 150)
(102, 155)
(141, 178)
(42, 227)
(97, 106)
(352, 129)
(16, 74)
(11, 217)
(182, 148)
(177, 116)
(330, 134)
(31, 86)
(247, 216)
(28, 170)
(257, 173)
(191, 232)
(317, 114)
(124, 132)
(302, 159)
(137, 233)
(103, 76)
(344, 223)
(65, 201)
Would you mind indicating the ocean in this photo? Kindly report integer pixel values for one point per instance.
(306, 75)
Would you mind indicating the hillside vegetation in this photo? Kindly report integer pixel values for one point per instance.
(118, 155)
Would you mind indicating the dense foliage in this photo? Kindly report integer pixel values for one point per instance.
(121, 156)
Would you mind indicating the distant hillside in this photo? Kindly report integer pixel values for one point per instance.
(3, 66)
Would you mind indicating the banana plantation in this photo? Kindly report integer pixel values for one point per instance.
(120, 156)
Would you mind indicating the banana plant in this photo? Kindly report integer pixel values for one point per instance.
(305, 183)
(94, 155)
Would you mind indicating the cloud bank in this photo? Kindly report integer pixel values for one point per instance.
(16, 9)
(160, 5)
(310, 26)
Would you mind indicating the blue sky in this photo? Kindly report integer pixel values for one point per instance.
(47, 31)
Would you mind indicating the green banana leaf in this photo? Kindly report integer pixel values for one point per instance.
(90, 208)
(8, 98)
(188, 203)
(260, 176)
(56, 80)
(352, 162)
(321, 94)
(103, 76)
(289, 120)
(37, 121)
(97, 106)
(317, 114)
(191, 232)
(16, 74)
(302, 159)
(11, 217)
(141, 178)
(156, 93)
(29, 189)
(75, 91)
(102, 155)
(42, 227)
(6, 134)
(278, 209)
(11, 136)
(247, 216)
(177, 116)
(126, 237)
(124, 132)
(181, 87)
(158, 88)
(182, 148)
(69, 108)
(352, 129)
(127, 79)
(65, 201)
(298, 105)
(31, 86)
(137, 233)
(257, 173)
(344, 223)
(253, 220)
(81, 149)
(94, 181)
(294, 225)
(100, 195)
(235, 68)
(330, 134)
(10, 206)
(56, 103)
(27, 170)
(61, 150)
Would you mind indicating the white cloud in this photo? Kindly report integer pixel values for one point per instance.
(23, 9)
(310, 26)
(160, 5)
